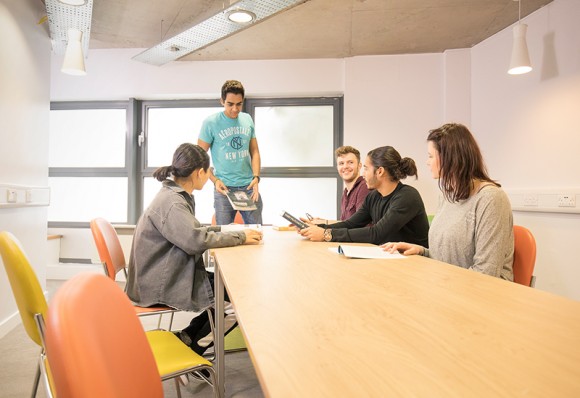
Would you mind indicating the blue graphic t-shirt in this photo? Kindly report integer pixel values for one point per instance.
(229, 141)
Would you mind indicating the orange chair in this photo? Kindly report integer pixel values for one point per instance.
(113, 259)
(96, 345)
(29, 299)
(524, 256)
(238, 219)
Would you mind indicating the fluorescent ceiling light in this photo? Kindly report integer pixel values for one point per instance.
(211, 30)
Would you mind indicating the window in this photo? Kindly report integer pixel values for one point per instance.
(297, 138)
(103, 154)
(88, 162)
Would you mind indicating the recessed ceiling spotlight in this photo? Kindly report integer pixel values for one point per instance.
(74, 2)
(241, 16)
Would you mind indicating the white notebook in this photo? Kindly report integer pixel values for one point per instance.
(366, 252)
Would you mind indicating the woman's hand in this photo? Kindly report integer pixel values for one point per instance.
(405, 248)
(253, 237)
(314, 233)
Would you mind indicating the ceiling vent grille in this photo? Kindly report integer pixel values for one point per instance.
(211, 30)
(62, 17)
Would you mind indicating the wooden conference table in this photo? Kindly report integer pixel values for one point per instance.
(320, 325)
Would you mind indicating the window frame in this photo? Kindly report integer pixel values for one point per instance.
(250, 105)
(136, 168)
(126, 171)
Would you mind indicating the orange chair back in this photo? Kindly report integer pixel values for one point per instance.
(238, 219)
(95, 343)
(24, 282)
(108, 246)
(524, 255)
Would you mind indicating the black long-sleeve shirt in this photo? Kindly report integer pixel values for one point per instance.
(397, 217)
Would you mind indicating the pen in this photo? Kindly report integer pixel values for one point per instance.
(309, 217)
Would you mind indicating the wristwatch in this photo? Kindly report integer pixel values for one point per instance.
(327, 235)
(258, 177)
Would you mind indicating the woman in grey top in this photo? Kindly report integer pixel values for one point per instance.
(473, 227)
(166, 264)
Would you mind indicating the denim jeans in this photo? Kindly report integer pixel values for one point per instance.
(225, 213)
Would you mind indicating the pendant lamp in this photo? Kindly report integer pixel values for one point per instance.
(74, 61)
(520, 60)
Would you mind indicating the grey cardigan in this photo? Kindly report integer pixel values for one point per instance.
(476, 233)
(166, 263)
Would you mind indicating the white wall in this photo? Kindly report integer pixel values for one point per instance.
(24, 111)
(529, 129)
(525, 124)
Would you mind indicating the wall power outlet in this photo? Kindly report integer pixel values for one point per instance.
(566, 200)
(11, 196)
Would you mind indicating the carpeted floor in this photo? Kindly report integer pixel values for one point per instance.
(18, 360)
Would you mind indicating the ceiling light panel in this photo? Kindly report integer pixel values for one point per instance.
(62, 17)
(212, 30)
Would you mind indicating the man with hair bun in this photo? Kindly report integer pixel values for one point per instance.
(395, 210)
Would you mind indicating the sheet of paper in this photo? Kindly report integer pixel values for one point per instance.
(367, 252)
(240, 227)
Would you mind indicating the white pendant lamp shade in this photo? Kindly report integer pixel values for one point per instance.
(74, 61)
(520, 61)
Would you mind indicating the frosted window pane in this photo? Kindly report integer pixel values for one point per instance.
(80, 199)
(297, 196)
(295, 136)
(317, 197)
(203, 199)
(170, 127)
(87, 138)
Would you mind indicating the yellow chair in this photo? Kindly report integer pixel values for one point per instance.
(524, 256)
(113, 259)
(29, 298)
(97, 347)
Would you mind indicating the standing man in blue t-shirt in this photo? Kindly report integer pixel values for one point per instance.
(235, 155)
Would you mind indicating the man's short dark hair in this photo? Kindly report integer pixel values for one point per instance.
(343, 150)
(234, 87)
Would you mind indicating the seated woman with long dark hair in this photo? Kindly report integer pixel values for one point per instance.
(166, 263)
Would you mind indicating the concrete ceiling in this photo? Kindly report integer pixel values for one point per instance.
(314, 29)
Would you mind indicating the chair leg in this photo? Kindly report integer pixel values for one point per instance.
(171, 321)
(177, 387)
(36, 381)
(159, 321)
(212, 377)
(211, 357)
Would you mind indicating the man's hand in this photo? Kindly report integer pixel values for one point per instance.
(255, 194)
(314, 233)
(220, 187)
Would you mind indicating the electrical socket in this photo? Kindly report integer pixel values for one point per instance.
(11, 196)
(566, 200)
(530, 199)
